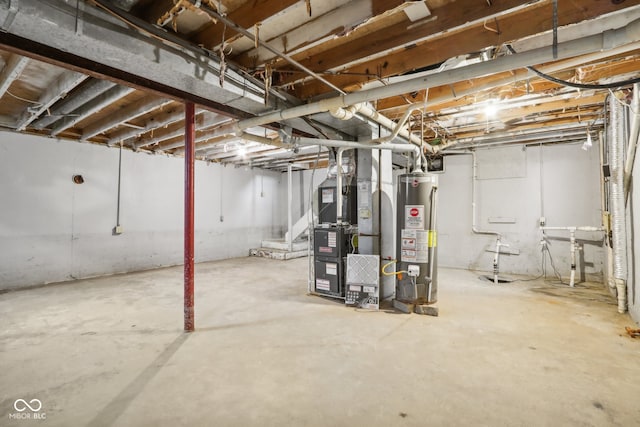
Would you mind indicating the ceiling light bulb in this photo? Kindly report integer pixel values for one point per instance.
(588, 143)
(490, 109)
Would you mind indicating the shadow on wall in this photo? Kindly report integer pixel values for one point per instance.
(582, 263)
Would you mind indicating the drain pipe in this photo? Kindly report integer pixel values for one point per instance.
(574, 246)
(618, 214)
(572, 250)
(366, 110)
(474, 227)
(634, 133)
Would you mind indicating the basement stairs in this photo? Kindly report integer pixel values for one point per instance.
(280, 249)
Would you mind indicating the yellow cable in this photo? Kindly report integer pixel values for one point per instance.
(384, 269)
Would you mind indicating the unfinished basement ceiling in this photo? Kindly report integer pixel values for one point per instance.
(116, 72)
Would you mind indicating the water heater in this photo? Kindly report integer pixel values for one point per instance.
(417, 273)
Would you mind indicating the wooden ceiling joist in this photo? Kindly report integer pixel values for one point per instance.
(522, 23)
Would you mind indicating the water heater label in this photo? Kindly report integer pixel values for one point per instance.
(415, 246)
(409, 256)
(422, 246)
(414, 217)
(408, 243)
(327, 195)
(409, 234)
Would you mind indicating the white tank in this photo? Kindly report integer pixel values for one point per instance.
(417, 239)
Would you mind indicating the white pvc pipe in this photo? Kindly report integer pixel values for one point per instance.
(474, 227)
(474, 178)
(575, 228)
(496, 259)
(366, 110)
(290, 206)
(367, 145)
(573, 257)
(574, 247)
(398, 129)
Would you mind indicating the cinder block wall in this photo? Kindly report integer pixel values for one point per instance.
(53, 230)
(510, 199)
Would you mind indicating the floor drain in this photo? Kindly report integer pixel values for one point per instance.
(500, 279)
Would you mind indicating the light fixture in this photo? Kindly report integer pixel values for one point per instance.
(588, 143)
(242, 151)
(491, 108)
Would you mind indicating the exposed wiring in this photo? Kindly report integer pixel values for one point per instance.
(494, 30)
(624, 104)
(24, 99)
(543, 275)
(553, 266)
(578, 85)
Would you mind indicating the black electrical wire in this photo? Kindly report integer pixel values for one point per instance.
(578, 85)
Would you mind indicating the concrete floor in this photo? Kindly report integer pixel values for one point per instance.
(110, 351)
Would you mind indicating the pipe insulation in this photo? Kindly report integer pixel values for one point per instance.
(617, 207)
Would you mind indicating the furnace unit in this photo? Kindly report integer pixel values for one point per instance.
(331, 244)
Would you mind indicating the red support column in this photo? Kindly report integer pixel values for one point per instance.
(189, 163)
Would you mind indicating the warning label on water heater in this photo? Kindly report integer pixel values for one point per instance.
(414, 217)
(414, 246)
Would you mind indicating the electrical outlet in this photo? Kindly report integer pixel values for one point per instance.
(543, 221)
(414, 270)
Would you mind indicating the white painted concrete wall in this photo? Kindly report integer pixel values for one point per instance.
(571, 198)
(53, 230)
